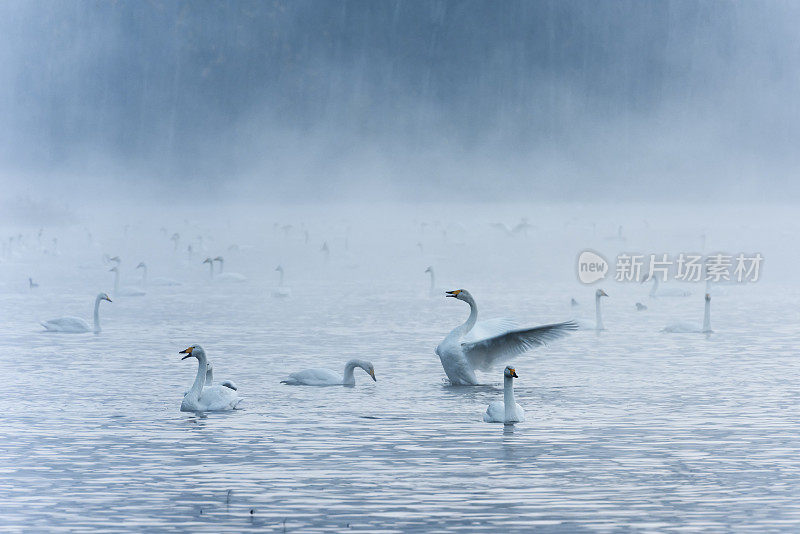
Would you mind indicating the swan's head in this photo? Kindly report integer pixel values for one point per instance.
(429, 269)
(368, 367)
(103, 296)
(194, 350)
(113, 270)
(600, 293)
(279, 269)
(141, 265)
(207, 260)
(115, 259)
(510, 372)
(219, 258)
(708, 297)
(460, 294)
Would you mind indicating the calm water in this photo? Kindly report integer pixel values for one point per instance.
(629, 430)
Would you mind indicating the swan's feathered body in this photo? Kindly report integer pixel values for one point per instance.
(76, 325)
(281, 291)
(475, 345)
(200, 398)
(222, 276)
(326, 377)
(684, 327)
(506, 411)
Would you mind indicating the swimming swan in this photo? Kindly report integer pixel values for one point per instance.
(693, 328)
(598, 314)
(223, 277)
(656, 292)
(507, 410)
(124, 291)
(481, 345)
(213, 398)
(281, 290)
(155, 281)
(326, 377)
(76, 325)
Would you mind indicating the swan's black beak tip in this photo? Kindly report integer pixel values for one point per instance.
(187, 352)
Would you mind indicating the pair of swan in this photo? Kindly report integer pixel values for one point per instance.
(76, 325)
(482, 344)
(222, 276)
(683, 327)
(326, 377)
(203, 397)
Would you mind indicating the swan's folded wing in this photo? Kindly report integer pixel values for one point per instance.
(485, 353)
(489, 328)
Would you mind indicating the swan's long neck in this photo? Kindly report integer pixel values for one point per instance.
(433, 280)
(144, 275)
(472, 319)
(211, 269)
(221, 265)
(707, 317)
(209, 374)
(116, 281)
(508, 397)
(598, 314)
(97, 314)
(202, 369)
(349, 367)
(280, 281)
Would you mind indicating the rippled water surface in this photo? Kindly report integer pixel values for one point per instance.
(629, 429)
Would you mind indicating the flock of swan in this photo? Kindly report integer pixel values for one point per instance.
(471, 346)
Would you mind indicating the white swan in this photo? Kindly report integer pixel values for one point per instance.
(656, 292)
(598, 314)
(481, 345)
(506, 411)
(640, 307)
(155, 281)
(281, 290)
(213, 398)
(432, 290)
(124, 291)
(227, 277)
(76, 325)
(693, 328)
(326, 377)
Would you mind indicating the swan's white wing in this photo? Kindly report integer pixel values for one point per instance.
(485, 353)
(489, 328)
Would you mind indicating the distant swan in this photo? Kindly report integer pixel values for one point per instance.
(481, 345)
(598, 314)
(507, 410)
(124, 291)
(281, 290)
(155, 281)
(656, 292)
(326, 377)
(213, 398)
(226, 277)
(640, 307)
(432, 289)
(210, 380)
(693, 328)
(76, 325)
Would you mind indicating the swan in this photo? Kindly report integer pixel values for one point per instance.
(432, 290)
(213, 398)
(210, 379)
(76, 325)
(155, 281)
(281, 290)
(573, 302)
(32, 284)
(598, 322)
(692, 328)
(506, 411)
(326, 377)
(640, 307)
(480, 345)
(227, 277)
(656, 292)
(124, 291)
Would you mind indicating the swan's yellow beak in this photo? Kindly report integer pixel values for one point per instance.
(453, 293)
(514, 373)
(372, 374)
(108, 299)
(187, 352)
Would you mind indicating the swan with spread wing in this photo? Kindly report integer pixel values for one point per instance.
(484, 344)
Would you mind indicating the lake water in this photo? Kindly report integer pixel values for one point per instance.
(631, 429)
